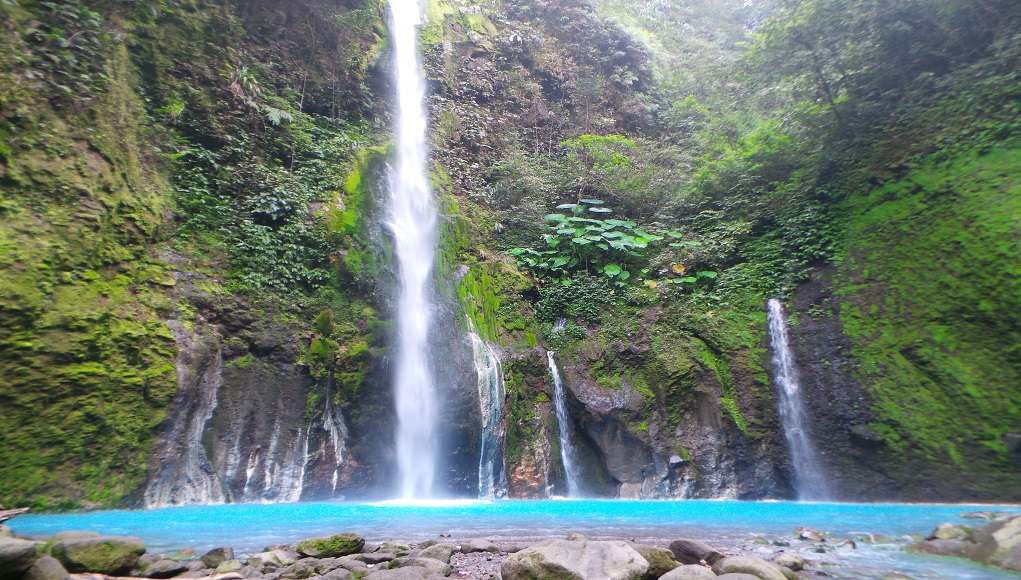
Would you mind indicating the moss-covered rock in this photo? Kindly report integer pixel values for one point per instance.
(331, 546)
(101, 554)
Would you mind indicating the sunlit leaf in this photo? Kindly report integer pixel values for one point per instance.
(678, 268)
(611, 270)
(706, 274)
(592, 201)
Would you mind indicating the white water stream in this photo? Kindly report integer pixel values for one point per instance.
(811, 482)
(492, 478)
(412, 221)
(568, 454)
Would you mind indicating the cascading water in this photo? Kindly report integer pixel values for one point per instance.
(568, 454)
(492, 478)
(811, 483)
(412, 221)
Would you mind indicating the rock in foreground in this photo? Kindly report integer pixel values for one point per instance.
(576, 560)
(996, 544)
(94, 553)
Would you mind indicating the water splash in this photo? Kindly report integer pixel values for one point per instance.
(810, 481)
(412, 221)
(492, 477)
(568, 455)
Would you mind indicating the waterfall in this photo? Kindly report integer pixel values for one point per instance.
(492, 477)
(412, 221)
(567, 451)
(810, 481)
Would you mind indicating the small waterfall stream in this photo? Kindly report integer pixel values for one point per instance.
(811, 482)
(568, 454)
(492, 477)
(412, 221)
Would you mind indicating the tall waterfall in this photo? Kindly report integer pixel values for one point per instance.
(811, 482)
(568, 455)
(412, 221)
(492, 477)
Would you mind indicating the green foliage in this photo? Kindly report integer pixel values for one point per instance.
(259, 212)
(617, 249)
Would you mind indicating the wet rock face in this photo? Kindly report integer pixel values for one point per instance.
(854, 455)
(628, 431)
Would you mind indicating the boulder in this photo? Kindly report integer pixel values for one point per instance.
(164, 569)
(688, 551)
(949, 532)
(474, 546)
(441, 568)
(576, 560)
(409, 573)
(226, 566)
(812, 534)
(111, 555)
(331, 546)
(182, 554)
(338, 574)
(16, 556)
(789, 560)
(374, 557)
(46, 568)
(689, 572)
(738, 576)
(999, 544)
(273, 559)
(441, 552)
(217, 556)
(955, 548)
(788, 573)
(354, 563)
(752, 565)
(6, 531)
(299, 570)
(660, 560)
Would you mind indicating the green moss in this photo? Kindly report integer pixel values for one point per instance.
(932, 301)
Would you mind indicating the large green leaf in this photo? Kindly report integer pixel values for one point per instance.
(592, 201)
(556, 217)
(611, 269)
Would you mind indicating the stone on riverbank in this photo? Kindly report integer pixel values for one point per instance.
(441, 552)
(94, 553)
(661, 560)
(576, 560)
(753, 565)
(689, 572)
(331, 546)
(273, 558)
(6, 531)
(688, 551)
(437, 566)
(940, 547)
(409, 573)
(217, 556)
(16, 556)
(996, 544)
(46, 568)
(999, 544)
(789, 560)
(475, 546)
(164, 569)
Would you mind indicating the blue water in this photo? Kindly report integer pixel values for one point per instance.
(250, 527)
